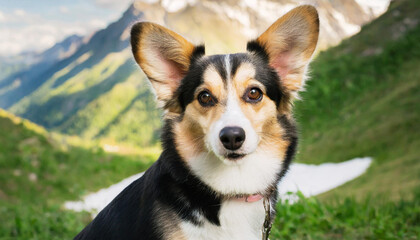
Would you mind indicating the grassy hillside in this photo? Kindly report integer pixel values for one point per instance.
(347, 218)
(39, 171)
(363, 100)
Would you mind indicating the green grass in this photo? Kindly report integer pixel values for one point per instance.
(32, 209)
(360, 104)
(347, 218)
(363, 100)
(38, 173)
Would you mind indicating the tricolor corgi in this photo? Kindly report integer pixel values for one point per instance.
(228, 135)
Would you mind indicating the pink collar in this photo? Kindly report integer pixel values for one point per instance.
(250, 198)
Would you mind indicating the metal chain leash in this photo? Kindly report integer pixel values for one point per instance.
(267, 222)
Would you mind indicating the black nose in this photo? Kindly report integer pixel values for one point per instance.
(232, 137)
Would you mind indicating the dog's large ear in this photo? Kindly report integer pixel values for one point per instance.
(165, 58)
(289, 44)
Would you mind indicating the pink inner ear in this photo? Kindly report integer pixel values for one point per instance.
(281, 63)
(172, 72)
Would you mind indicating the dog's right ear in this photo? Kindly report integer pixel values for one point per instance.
(165, 58)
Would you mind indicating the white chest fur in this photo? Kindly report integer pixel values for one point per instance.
(238, 221)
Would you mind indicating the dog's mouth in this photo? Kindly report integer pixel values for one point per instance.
(234, 156)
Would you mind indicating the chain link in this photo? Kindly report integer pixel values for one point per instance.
(267, 222)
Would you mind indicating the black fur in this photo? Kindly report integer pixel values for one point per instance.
(256, 48)
(264, 73)
(292, 136)
(198, 195)
(218, 61)
(168, 182)
(268, 77)
(135, 35)
(194, 78)
(198, 52)
(191, 81)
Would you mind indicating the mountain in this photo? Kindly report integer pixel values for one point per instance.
(60, 50)
(97, 91)
(25, 60)
(31, 65)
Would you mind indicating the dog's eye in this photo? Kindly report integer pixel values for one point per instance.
(253, 95)
(206, 99)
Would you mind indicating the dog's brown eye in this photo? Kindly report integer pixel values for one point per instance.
(206, 99)
(254, 95)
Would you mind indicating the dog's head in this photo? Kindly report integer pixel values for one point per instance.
(230, 113)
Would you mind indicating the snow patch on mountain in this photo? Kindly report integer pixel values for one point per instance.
(374, 7)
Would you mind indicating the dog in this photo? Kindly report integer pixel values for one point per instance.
(228, 135)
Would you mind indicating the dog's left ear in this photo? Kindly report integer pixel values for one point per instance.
(165, 58)
(289, 44)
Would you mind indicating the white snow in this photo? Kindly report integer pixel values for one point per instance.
(374, 7)
(95, 202)
(309, 179)
(176, 5)
(312, 180)
(349, 28)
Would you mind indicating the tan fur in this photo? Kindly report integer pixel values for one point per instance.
(272, 138)
(263, 115)
(168, 223)
(190, 132)
(165, 58)
(290, 43)
(189, 137)
(213, 82)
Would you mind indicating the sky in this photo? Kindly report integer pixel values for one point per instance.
(29, 25)
(36, 25)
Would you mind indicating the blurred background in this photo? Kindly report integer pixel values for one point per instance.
(77, 115)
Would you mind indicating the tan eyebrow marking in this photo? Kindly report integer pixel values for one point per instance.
(212, 81)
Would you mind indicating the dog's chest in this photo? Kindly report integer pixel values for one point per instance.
(238, 220)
